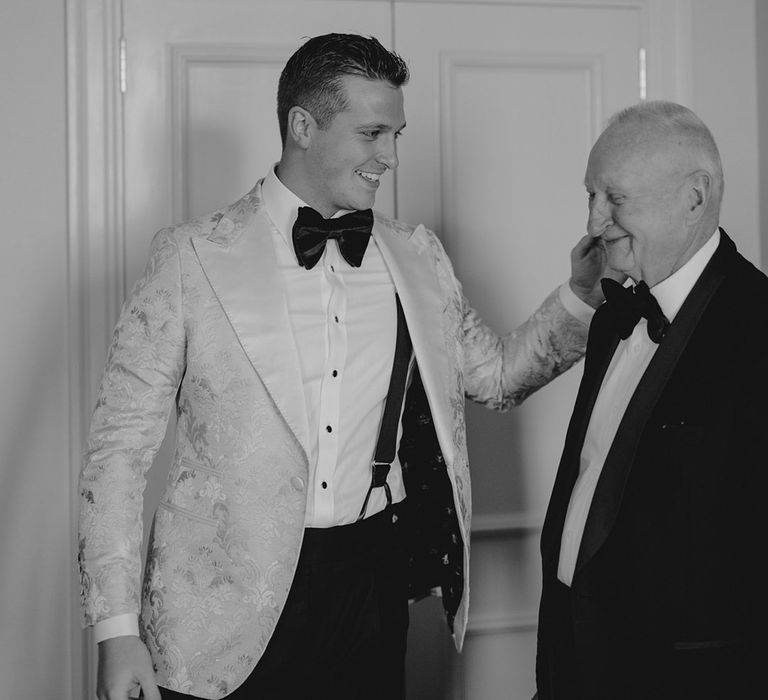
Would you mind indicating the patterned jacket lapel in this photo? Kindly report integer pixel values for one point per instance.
(239, 261)
(429, 452)
(414, 275)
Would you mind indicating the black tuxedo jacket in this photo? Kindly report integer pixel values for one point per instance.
(668, 599)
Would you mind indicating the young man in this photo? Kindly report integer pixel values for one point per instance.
(279, 565)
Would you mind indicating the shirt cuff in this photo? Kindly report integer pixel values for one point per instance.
(117, 626)
(575, 306)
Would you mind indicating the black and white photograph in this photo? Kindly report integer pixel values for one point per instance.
(384, 349)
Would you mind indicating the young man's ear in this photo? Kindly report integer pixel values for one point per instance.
(301, 125)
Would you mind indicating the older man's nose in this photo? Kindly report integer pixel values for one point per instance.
(598, 221)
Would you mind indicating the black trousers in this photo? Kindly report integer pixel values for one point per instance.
(609, 661)
(343, 632)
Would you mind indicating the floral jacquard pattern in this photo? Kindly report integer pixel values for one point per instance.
(141, 376)
(226, 536)
(501, 372)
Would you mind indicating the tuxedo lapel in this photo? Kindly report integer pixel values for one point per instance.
(618, 463)
(416, 282)
(238, 259)
(604, 343)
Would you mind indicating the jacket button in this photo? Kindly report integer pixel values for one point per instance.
(297, 482)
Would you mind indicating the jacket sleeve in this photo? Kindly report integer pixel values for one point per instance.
(502, 371)
(145, 363)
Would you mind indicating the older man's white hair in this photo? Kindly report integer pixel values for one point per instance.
(679, 123)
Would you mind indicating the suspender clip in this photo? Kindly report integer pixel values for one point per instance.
(379, 472)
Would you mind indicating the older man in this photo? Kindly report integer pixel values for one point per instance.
(653, 539)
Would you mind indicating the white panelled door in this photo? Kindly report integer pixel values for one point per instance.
(504, 102)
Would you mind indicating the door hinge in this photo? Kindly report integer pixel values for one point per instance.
(123, 66)
(643, 74)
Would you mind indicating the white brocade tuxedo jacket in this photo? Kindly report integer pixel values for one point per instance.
(207, 327)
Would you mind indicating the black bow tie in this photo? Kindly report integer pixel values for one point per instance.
(311, 231)
(627, 305)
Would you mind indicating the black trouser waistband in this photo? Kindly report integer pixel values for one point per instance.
(334, 544)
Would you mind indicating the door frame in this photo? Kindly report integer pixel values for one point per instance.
(96, 78)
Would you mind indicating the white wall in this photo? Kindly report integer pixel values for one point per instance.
(35, 482)
(725, 97)
(38, 647)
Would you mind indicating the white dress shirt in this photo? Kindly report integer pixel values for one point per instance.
(344, 321)
(628, 364)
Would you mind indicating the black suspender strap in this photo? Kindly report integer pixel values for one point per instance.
(386, 444)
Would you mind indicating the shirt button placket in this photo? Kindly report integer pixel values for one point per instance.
(330, 391)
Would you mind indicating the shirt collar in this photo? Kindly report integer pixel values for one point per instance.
(672, 292)
(282, 205)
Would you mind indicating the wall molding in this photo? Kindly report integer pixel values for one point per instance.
(598, 4)
(506, 524)
(450, 61)
(79, 660)
(502, 624)
(95, 255)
